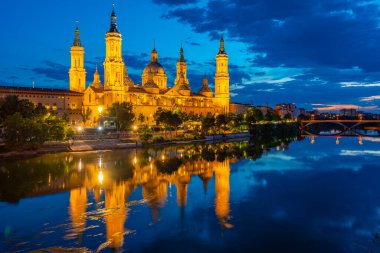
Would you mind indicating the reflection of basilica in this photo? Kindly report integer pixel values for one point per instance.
(147, 174)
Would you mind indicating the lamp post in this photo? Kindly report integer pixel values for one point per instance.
(100, 110)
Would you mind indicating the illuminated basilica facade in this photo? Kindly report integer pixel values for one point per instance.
(154, 91)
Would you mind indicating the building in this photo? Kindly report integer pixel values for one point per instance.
(264, 109)
(348, 113)
(287, 109)
(238, 108)
(154, 91)
(56, 101)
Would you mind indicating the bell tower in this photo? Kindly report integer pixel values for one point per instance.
(113, 64)
(222, 78)
(77, 72)
(181, 67)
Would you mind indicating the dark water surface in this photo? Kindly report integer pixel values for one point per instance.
(284, 197)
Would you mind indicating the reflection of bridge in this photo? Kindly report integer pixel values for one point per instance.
(349, 126)
(338, 137)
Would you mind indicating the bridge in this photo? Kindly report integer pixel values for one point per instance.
(348, 125)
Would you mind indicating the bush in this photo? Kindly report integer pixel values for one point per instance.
(145, 134)
(69, 133)
(158, 139)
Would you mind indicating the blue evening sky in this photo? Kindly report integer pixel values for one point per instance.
(318, 54)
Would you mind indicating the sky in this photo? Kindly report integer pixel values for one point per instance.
(318, 54)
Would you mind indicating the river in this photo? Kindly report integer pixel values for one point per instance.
(305, 195)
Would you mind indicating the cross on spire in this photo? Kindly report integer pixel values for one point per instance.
(113, 26)
(77, 41)
(222, 50)
(181, 54)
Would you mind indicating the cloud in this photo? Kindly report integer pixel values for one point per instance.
(275, 81)
(358, 84)
(295, 33)
(175, 2)
(360, 152)
(325, 43)
(340, 107)
(371, 98)
(52, 70)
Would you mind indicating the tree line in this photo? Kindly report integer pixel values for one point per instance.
(26, 126)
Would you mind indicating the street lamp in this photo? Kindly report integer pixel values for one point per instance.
(100, 110)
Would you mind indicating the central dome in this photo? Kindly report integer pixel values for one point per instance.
(154, 68)
(156, 71)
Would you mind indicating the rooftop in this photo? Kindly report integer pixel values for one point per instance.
(39, 90)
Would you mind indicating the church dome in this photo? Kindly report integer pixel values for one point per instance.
(154, 68)
(205, 89)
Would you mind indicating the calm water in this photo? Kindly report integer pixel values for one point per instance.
(284, 197)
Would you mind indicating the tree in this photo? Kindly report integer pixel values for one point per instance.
(254, 115)
(27, 126)
(221, 121)
(141, 118)
(269, 116)
(239, 121)
(145, 134)
(167, 118)
(40, 112)
(208, 123)
(12, 104)
(23, 133)
(123, 115)
(56, 128)
(175, 120)
(85, 113)
(288, 116)
(9, 106)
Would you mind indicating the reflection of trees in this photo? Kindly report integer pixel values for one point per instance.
(208, 153)
(23, 178)
(264, 137)
(49, 173)
(152, 169)
(169, 165)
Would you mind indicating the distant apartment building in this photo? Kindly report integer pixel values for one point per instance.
(287, 109)
(56, 101)
(348, 113)
(238, 108)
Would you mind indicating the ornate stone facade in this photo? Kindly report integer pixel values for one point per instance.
(153, 93)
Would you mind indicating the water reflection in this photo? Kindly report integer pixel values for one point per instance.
(107, 193)
(110, 178)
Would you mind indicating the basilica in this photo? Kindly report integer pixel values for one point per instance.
(154, 91)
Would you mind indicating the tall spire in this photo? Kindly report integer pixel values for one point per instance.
(205, 89)
(77, 41)
(154, 54)
(205, 81)
(96, 81)
(154, 46)
(181, 54)
(221, 47)
(113, 27)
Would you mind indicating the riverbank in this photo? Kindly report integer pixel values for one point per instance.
(110, 144)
